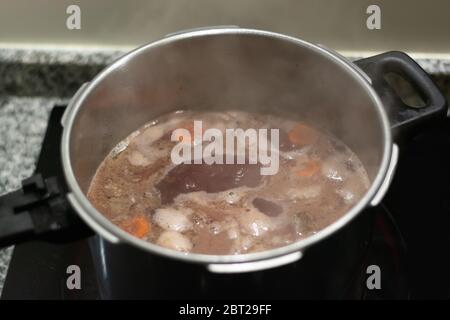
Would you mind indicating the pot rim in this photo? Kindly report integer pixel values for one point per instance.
(111, 232)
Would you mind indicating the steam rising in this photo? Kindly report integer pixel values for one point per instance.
(257, 73)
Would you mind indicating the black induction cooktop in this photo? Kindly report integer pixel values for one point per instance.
(410, 241)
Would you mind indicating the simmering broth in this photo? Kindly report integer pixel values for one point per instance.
(228, 208)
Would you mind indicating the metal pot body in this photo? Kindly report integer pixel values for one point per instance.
(331, 269)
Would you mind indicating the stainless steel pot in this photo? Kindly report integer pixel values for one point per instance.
(259, 71)
(226, 68)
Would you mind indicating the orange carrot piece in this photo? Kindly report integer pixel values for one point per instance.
(138, 226)
(302, 135)
(308, 169)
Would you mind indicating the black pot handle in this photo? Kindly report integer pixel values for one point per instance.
(403, 117)
(38, 210)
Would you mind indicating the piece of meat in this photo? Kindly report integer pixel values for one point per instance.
(186, 178)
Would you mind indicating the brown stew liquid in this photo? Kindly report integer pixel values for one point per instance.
(226, 208)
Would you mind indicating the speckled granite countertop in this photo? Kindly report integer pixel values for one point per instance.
(33, 81)
(23, 121)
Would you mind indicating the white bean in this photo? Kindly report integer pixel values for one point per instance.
(174, 240)
(138, 159)
(172, 219)
(254, 223)
(347, 195)
(246, 243)
(149, 135)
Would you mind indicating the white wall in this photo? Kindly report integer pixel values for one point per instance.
(414, 26)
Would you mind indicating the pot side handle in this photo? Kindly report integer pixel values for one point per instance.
(39, 210)
(255, 265)
(403, 117)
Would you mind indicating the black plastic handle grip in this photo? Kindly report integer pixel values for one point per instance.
(38, 210)
(403, 117)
